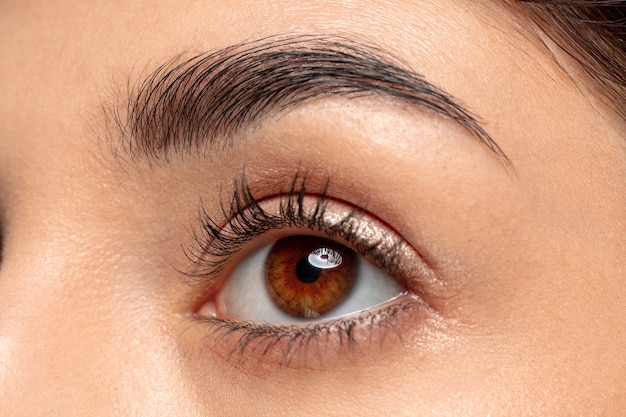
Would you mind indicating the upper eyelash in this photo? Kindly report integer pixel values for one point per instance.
(245, 219)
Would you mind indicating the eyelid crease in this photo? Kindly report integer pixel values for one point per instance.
(200, 103)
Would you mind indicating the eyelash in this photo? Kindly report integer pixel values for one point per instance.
(262, 338)
(216, 244)
(245, 220)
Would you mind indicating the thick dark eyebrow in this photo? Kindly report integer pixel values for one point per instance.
(201, 103)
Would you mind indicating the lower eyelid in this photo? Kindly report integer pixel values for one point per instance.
(318, 345)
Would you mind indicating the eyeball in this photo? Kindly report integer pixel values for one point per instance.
(302, 279)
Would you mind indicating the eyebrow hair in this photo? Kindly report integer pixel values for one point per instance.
(202, 102)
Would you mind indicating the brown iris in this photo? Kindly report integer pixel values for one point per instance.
(309, 276)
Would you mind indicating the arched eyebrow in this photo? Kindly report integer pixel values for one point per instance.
(201, 103)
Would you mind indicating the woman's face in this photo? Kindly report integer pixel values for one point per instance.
(139, 206)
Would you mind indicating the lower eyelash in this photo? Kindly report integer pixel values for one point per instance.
(293, 345)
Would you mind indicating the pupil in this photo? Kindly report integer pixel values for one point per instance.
(306, 272)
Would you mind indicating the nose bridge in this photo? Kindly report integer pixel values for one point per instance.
(53, 337)
(61, 318)
(77, 334)
(36, 300)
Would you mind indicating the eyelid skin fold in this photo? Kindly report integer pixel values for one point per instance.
(298, 211)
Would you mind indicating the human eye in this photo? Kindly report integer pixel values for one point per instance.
(298, 273)
(303, 279)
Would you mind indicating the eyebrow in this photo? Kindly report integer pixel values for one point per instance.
(201, 103)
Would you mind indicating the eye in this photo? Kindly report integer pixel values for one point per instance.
(304, 278)
(300, 274)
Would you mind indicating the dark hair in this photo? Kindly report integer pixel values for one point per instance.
(593, 33)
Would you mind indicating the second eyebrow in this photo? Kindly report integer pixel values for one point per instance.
(201, 102)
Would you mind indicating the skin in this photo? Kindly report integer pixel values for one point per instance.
(529, 256)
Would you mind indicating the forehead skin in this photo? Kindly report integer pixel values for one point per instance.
(90, 312)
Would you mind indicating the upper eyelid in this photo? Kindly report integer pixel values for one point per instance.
(200, 103)
(214, 247)
(219, 241)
